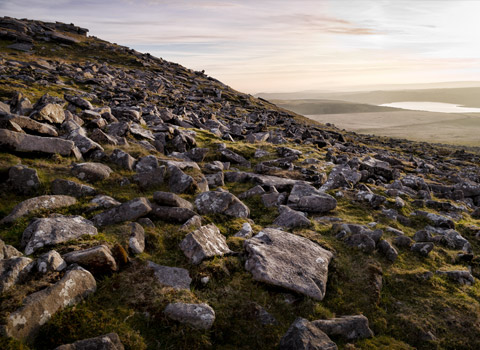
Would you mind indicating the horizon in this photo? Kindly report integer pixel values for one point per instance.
(279, 46)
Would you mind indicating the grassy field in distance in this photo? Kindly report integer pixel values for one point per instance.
(454, 129)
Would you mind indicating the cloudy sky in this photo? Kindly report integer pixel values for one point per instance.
(285, 45)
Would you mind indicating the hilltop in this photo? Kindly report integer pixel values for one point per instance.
(144, 205)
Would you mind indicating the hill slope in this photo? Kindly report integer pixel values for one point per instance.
(131, 191)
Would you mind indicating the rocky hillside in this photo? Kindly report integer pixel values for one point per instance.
(144, 205)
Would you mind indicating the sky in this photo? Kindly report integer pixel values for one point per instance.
(284, 45)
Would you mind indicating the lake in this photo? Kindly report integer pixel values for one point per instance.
(432, 107)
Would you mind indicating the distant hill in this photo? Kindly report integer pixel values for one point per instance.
(310, 107)
(467, 96)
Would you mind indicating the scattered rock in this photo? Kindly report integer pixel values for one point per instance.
(347, 327)
(11, 271)
(54, 230)
(71, 188)
(136, 242)
(38, 203)
(206, 242)
(98, 260)
(304, 335)
(174, 277)
(39, 307)
(219, 202)
(289, 261)
(109, 341)
(128, 211)
(290, 218)
(23, 180)
(91, 172)
(199, 316)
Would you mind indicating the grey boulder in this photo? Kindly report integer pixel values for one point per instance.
(289, 261)
(97, 260)
(290, 218)
(71, 188)
(23, 180)
(306, 198)
(91, 172)
(39, 307)
(199, 316)
(54, 230)
(38, 203)
(220, 202)
(174, 277)
(206, 242)
(136, 242)
(347, 327)
(304, 335)
(109, 341)
(11, 271)
(171, 200)
(128, 211)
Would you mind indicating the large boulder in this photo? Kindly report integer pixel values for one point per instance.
(341, 176)
(290, 218)
(347, 327)
(91, 172)
(7, 251)
(72, 188)
(199, 316)
(39, 307)
(109, 341)
(171, 200)
(38, 203)
(97, 260)
(128, 211)
(136, 241)
(172, 214)
(289, 261)
(174, 277)
(52, 113)
(123, 159)
(303, 335)
(54, 230)
(18, 142)
(220, 202)
(206, 242)
(31, 126)
(307, 198)
(23, 180)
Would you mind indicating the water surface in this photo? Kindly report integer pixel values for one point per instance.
(432, 107)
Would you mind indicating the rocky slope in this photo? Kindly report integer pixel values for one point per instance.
(148, 206)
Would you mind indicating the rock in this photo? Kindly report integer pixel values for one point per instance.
(71, 188)
(289, 261)
(307, 198)
(219, 202)
(192, 223)
(206, 242)
(91, 172)
(304, 335)
(50, 261)
(263, 316)
(254, 191)
(199, 316)
(197, 154)
(215, 180)
(104, 202)
(171, 200)
(98, 260)
(23, 180)
(123, 159)
(99, 136)
(11, 271)
(54, 230)
(109, 341)
(78, 101)
(437, 220)
(453, 240)
(128, 211)
(8, 251)
(361, 241)
(172, 214)
(33, 127)
(14, 141)
(152, 178)
(347, 327)
(460, 277)
(38, 203)
(180, 182)
(422, 248)
(387, 250)
(232, 157)
(51, 113)
(174, 277)
(136, 242)
(403, 241)
(245, 232)
(84, 144)
(39, 307)
(341, 176)
(378, 168)
(290, 218)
